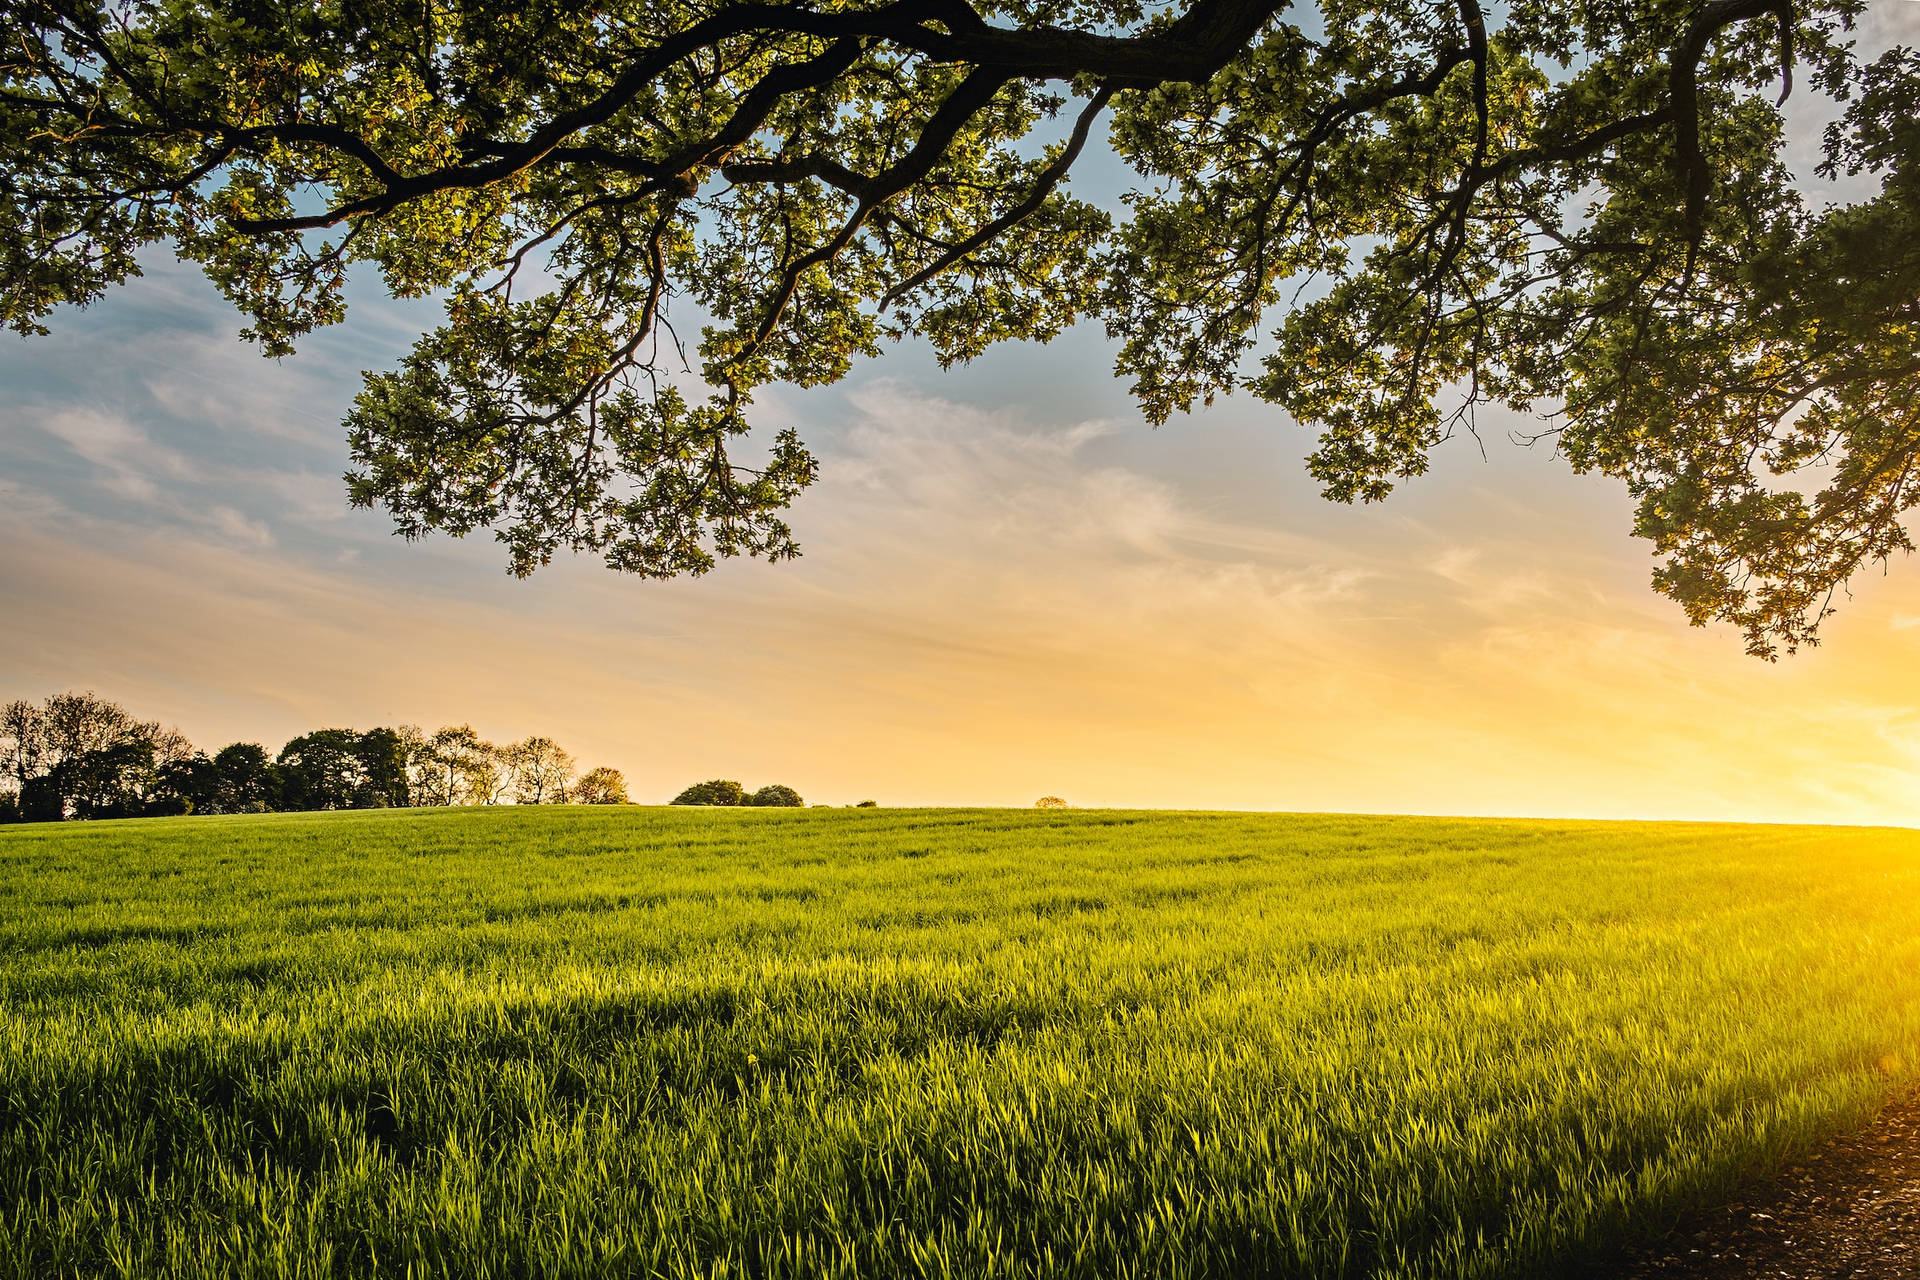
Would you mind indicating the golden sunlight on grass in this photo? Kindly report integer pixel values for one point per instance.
(923, 1042)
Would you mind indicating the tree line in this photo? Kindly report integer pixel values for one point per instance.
(78, 756)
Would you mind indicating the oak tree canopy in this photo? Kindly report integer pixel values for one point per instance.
(1378, 217)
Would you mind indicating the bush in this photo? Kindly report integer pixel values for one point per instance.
(602, 785)
(713, 791)
(867, 804)
(777, 796)
(1051, 802)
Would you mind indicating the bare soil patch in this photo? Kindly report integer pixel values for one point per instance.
(1849, 1210)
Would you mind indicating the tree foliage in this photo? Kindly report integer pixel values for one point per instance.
(541, 770)
(454, 766)
(723, 791)
(776, 795)
(323, 770)
(384, 781)
(1582, 208)
(82, 755)
(249, 782)
(601, 784)
(114, 781)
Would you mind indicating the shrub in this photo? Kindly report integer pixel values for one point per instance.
(776, 795)
(713, 791)
(602, 785)
(1051, 802)
(867, 804)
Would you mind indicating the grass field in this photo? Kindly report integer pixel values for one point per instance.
(966, 1043)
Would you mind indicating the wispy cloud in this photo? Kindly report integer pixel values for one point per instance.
(125, 459)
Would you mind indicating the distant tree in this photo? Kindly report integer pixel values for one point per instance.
(775, 795)
(170, 746)
(511, 757)
(166, 788)
(464, 767)
(713, 791)
(322, 770)
(422, 768)
(446, 749)
(115, 781)
(489, 777)
(600, 785)
(540, 770)
(435, 766)
(384, 765)
(868, 804)
(185, 786)
(47, 740)
(249, 781)
(1051, 802)
(23, 740)
(76, 723)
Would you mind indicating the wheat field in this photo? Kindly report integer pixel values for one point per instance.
(937, 1043)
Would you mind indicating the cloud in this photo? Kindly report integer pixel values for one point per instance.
(125, 458)
(237, 527)
(921, 483)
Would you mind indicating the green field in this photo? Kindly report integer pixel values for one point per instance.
(967, 1043)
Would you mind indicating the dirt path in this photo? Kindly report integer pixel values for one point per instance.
(1851, 1209)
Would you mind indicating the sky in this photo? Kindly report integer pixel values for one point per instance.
(1011, 587)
